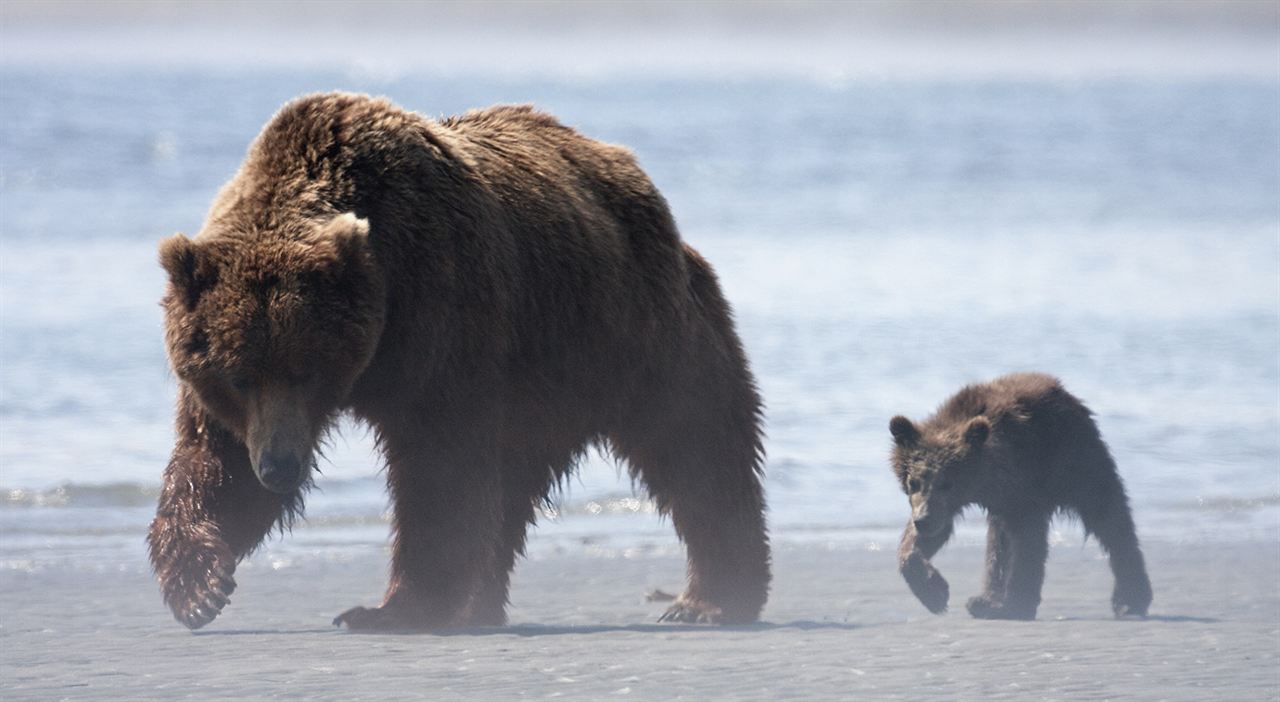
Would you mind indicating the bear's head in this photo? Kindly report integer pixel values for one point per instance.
(269, 333)
(938, 470)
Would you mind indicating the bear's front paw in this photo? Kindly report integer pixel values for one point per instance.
(367, 619)
(927, 584)
(985, 607)
(197, 583)
(693, 611)
(394, 615)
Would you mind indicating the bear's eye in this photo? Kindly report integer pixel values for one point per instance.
(240, 384)
(197, 344)
(913, 486)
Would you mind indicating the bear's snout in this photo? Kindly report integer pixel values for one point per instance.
(280, 471)
(280, 438)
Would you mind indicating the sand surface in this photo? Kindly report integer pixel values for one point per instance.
(840, 624)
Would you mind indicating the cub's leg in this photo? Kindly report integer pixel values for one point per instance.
(914, 553)
(1107, 517)
(1029, 538)
(999, 554)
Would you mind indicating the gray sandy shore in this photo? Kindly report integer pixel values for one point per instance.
(840, 624)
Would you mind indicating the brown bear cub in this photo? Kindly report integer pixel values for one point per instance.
(1021, 447)
(492, 293)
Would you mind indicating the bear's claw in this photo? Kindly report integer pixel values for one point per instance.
(1125, 611)
(1131, 600)
(387, 618)
(986, 608)
(359, 618)
(207, 599)
(692, 612)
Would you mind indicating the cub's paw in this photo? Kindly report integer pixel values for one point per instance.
(198, 583)
(927, 584)
(984, 607)
(692, 611)
(1131, 602)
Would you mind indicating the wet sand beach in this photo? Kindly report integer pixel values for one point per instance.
(840, 624)
(898, 198)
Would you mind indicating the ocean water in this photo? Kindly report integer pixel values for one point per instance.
(882, 241)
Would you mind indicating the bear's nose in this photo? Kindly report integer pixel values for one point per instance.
(279, 472)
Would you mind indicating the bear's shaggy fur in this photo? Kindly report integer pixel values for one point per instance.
(1022, 448)
(492, 293)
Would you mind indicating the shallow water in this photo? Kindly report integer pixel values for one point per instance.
(883, 242)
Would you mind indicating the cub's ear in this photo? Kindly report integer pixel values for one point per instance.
(904, 432)
(189, 271)
(349, 234)
(975, 435)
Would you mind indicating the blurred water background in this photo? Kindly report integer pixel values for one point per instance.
(886, 232)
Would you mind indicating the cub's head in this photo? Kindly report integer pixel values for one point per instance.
(937, 470)
(269, 333)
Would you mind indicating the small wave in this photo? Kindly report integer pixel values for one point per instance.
(80, 495)
(604, 505)
(1230, 504)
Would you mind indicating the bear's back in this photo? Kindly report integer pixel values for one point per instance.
(1016, 405)
(524, 154)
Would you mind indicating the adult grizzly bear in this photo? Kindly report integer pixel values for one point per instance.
(492, 293)
(1022, 448)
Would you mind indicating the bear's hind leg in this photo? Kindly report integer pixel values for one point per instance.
(705, 475)
(1107, 517)
(690, 430)
(447, 519)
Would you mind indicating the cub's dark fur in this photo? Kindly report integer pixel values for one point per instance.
(1021, 447)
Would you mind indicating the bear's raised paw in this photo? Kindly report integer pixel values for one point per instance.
(198, 584)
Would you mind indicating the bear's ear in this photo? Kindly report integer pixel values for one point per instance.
(189, 272)
(904, 432)
(349, 234)
(975, 435)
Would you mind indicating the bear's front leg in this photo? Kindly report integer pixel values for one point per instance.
(194, 566)
(447, 502)
(212, 511)
(1028, 544)
(926, 583)
(996, 579)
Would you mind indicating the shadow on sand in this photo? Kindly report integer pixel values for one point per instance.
(1170, 618)
(532, 630)
(529, 630)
